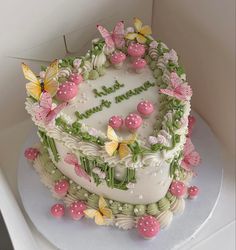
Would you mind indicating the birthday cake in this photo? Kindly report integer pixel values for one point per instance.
(114, 128)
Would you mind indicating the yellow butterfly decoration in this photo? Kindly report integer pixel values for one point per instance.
(116, 143)
(141, 31)
(36, 86)
(100, 214)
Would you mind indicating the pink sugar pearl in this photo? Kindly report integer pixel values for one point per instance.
(133, 122)
(117, 59)
(136, 50)
(148, 226)
(58, 210)
(67, 91)
(145, 108)
(116, 122)
(31, 153)
(193, 192)
(76, 210)
(178, 189)
(61, 187)
(76, 78)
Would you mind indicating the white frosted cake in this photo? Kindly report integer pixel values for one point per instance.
(114, 127)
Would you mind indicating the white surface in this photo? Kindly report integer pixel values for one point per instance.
(11, 141)
(66, 234)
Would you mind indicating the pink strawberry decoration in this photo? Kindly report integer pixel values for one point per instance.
(193, 192)
(191, 123)
(136, 50)
(117, 59)
(116, 122)
(67, 91)
(31, 153)
(191, 157)
(148, 226)
(178, 189)
(58, 210)
(139, 64)
(76, 210)
(61, 187)
(145, 108)
(133, 122)
(76, 78)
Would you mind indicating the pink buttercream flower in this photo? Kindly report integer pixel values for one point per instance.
(170, 56)
(191, 123)
(191, 157)
(178, 89)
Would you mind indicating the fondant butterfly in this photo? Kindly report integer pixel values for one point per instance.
(100, 214)
(141, 31)
(36, 86)
(116, 143)
(115, 39)
(72, 160)
(178, 89)
(191, 156)
(44, 111)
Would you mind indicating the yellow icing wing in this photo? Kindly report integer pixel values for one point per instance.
(123, 150)
(111, 134)
(146, 30)
(103, 207)
(131, 36)
(29, 74)
(92, 213)
(137, 24)
(131, 139)
(111, 147)
(34, 90)
(141, 38)
(50, 82)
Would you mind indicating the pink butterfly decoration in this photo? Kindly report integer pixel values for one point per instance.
(45, 112)
(178, 89)
(72, 160)
(115, 39)
(191, 123)
(191, 157)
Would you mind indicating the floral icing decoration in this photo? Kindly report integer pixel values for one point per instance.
(100, 214)
(141, 32)
(191, 157)
(178, 89)
(116, 143)
(170, 56)
(44, 111)
(191, 124)
(36, 86)
(31, 153)
(72, 160)
(116, 38)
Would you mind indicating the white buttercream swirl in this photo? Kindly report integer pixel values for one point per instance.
(124, 222)
(165, 218)
(178, 206)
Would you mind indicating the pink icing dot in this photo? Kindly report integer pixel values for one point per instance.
(178, 189)
(67, 91)
(58, 210)
(136, 50)
(133, 122)
(61, 187)
(76, 210)
(31, 153)
(76, 78)
(145, 108)
(193, 192)
(115, 122)
(148, 226)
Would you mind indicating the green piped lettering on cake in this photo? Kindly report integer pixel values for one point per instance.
(134, 91)
(108, 90)
(89, 112)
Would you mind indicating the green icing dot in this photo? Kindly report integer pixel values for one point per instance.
(148, 59)
(139, 210)
(93, 201)
(153, 65)
(93, 74)
(163, 204)
(157, 73)
(115, 207)
(86, 75)
(152, 209)
(82, 194)
(102, 71)
(56, 175)
(128, 209)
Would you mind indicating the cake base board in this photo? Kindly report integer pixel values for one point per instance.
(67, 234)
